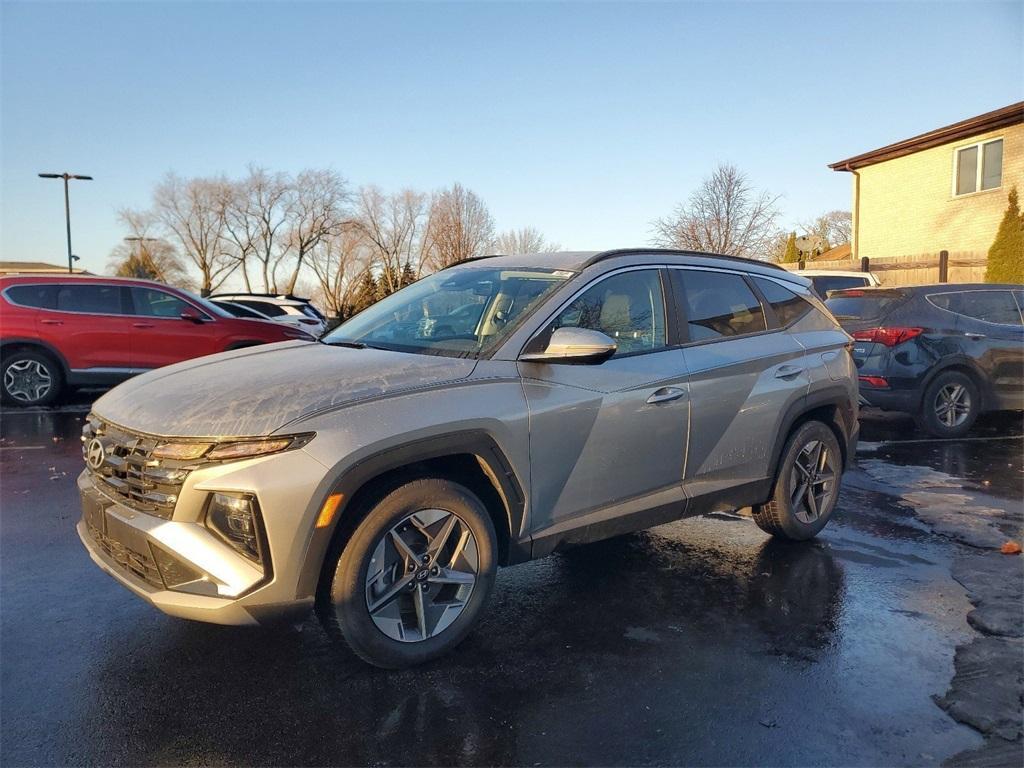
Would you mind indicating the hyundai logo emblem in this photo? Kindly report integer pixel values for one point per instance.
(95, 455)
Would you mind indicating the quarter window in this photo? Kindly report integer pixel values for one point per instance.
(153, 303)
(979, 167)
(787, 305)
(719, 305)
(988, 306)
(628, 307)
(92, 298)
(37, 296)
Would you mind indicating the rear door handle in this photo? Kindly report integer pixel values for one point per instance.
(142, 325)
(788, 371)
(666, 394)
(52, 322)
(974, 336)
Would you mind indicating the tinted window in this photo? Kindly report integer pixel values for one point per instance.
(237, 310)
(719, 305)
(39, 296)
(825, 283)
(155, 303)
(850, 305)
(990, 306)
(787, 305)
(270, 310)
(97, 299)
(628, 307)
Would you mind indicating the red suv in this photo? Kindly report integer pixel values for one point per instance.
(71, 330)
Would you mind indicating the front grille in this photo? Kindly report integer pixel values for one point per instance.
(123, 469)
(137, 563)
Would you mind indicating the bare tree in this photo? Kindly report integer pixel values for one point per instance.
(339, 263)
(524, 240)
(315, 209)
(459, 226)
(393, 226)
(192, 212)
(144, 255)
(724, 215)
(834, 228)
(256, 223)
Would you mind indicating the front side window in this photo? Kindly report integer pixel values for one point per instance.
(988, 306)
(787, 305)
(92, 298)
(153, 303)
(979, 167)
(719, 305)
(628, 307)
(461, 312)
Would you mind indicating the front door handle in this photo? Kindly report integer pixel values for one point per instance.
(665, 395)
(788, 371)
(974, 336)
(52, 322)
(142, 325)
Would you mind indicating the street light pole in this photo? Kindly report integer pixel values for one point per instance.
(67, 206)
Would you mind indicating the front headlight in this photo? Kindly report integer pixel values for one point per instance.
(235, 518)
(229, 450)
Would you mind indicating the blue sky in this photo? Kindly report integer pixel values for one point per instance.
(585, 121)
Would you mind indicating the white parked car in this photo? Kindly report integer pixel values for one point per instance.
(281, 308)
(827, 280)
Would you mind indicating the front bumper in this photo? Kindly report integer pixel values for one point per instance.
(181, 567)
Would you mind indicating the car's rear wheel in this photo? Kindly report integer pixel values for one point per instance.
(415, 575)
(806, 484)
(950, 405)
(30, 378)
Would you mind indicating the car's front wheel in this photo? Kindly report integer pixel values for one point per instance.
(415, 575)
(30, 378)
(806, 484)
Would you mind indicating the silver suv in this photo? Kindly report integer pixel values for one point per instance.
(489, 414)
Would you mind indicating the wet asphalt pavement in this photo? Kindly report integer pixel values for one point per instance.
(701, 642)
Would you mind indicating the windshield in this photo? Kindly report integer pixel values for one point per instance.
(454, 313)
(825, 284)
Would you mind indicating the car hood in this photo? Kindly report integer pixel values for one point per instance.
(256, 391)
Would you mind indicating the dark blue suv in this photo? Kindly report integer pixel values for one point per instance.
(944, 353)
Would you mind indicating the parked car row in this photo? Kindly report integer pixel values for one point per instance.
(64, 331)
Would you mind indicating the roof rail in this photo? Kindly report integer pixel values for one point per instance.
(288, 296)
(676, 252)
(471, 258)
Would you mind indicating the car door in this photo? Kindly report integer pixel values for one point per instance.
(88, 325)
(744, 375)
(159, 334)
(607, 441)
(993, 336)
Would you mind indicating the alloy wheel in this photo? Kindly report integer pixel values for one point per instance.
(952, 405)
(421, 575)
(813, 481)
(27, 380)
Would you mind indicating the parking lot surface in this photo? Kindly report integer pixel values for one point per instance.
(698, 642)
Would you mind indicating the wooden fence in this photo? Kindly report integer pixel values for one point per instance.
(919, 269)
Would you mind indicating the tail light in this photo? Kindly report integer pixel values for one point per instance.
(878, 382)
(890, 337)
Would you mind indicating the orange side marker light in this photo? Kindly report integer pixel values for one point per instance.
(328, 510)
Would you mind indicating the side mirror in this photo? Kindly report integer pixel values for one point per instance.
(574, 345)
(191, 317)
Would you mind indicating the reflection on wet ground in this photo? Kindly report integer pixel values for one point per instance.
(699, 642)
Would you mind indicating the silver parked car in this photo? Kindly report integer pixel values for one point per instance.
(489, 414)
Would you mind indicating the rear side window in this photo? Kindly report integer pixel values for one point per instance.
(988, 306)
(719, 305)
(851, 305)
(825, 283)
(154, 303)
(787, 305)
(270, 310)
(37, 296)
(93, 298)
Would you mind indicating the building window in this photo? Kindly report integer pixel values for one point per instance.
(978, 167)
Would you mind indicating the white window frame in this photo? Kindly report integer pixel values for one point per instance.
(981, 166)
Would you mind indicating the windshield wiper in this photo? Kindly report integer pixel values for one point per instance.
(354, 345)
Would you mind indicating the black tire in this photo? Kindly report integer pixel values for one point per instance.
(937, 393)
(343, 608)
(779, 516)
(13, 382)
